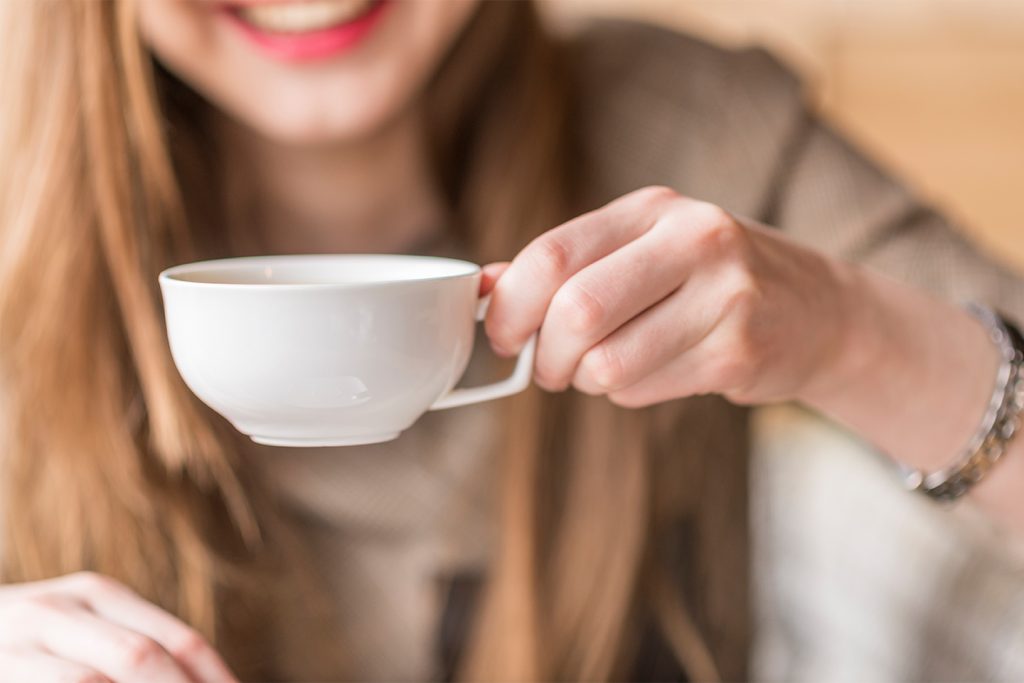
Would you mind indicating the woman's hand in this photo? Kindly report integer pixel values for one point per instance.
(86, 627)
(657, 296)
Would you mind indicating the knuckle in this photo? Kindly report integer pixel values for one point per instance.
(93, 583)
(188, 645)
(653, 195)
(731, 238)
(714, 230)
(551, 256)
(139, 652)
(579, 310)
(706, 213)
(604, 365)
(744, 295)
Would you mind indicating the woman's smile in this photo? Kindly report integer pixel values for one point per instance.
(308, 29)
(304, 72)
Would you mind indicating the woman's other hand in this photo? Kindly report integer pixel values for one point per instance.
(657, 296)
(87, 627)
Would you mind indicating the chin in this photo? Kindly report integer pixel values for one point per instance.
(328, 114)
(303, 129)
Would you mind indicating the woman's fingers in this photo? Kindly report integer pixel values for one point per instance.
(29, 665)
(658, 296)
(722, 363)
(521, 297)
(67, 629)
(604, 296)
(581, 282)
(116, 603)
(649, 342)
(688, 375)
(97, 623)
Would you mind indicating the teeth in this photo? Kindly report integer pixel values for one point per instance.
(299, 17)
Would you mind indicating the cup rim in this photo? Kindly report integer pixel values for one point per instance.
(170, 276)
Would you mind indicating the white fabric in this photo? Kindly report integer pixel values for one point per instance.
(858, 580)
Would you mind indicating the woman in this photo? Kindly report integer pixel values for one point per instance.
(146, 134)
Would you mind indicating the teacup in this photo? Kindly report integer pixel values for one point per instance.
(328, 350)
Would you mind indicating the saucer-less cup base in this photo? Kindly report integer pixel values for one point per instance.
(333, 441)
(327, 350)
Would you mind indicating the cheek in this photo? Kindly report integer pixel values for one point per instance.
(342, 97)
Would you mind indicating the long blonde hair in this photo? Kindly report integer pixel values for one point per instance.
(110, 464)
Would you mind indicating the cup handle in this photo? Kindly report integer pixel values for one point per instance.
(516, 382)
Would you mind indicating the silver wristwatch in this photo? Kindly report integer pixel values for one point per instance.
(999, 425)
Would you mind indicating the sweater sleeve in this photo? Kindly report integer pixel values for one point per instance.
(831, 197)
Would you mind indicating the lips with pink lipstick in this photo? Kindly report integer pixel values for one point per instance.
(306, 30)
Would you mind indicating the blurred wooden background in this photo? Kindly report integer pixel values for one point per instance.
(932, 88)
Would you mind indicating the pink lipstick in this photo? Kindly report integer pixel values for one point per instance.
(307, 30)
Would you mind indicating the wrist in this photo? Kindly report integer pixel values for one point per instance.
(910, 373)
(857, 344)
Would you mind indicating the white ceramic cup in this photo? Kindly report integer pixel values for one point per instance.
(328, 350)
